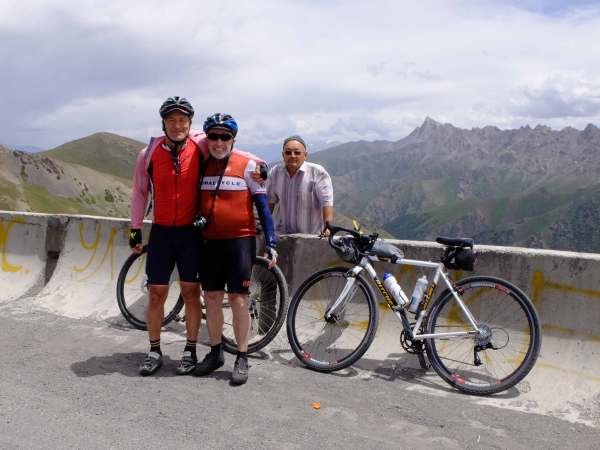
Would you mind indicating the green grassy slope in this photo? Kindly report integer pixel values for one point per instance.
(104, 152)
(8, 195)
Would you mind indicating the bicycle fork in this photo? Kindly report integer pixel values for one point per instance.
(335, 310)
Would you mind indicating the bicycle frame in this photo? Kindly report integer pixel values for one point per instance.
(398, 310)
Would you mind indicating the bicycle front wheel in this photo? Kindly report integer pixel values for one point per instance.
(132, 292)
(505, 350)
(267, 305)
(328, 345)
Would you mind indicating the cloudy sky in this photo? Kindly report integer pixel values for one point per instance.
(331, 70)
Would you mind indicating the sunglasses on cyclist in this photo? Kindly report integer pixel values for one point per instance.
(293, 152)
(225, 137)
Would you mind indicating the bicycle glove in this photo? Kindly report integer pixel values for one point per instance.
(270, 252)
(264, 170)
(135, 237)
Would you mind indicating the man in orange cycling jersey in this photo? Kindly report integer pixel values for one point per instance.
(227, 195)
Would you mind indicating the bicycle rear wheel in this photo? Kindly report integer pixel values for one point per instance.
(326, 346)
(506, 351)
(267, 304)
(132, 292)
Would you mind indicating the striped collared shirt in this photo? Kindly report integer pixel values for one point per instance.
(299, 199)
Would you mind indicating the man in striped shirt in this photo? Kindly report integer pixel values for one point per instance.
(299, 192)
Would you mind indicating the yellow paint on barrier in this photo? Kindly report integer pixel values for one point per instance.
(140, 263)
(94, 249)
(571, 332)
(4, 237)
(93, 246)
(578, 373)
(540, 284)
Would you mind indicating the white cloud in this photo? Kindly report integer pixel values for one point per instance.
(337, 70)
(561, 95)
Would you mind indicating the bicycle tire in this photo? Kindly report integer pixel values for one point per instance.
(498, 307)
(132, 302)
(306, 315)
(267, 303)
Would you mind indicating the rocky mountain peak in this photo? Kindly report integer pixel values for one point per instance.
(430, 123)
(591, 130)
(431, 128)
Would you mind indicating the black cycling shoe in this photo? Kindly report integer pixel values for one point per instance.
(186, 365)
(151, 364)
(211, 362)
(240, 371)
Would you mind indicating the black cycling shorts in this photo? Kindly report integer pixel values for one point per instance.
(227, 262)
(171, 246)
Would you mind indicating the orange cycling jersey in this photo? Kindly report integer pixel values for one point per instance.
(232, 214)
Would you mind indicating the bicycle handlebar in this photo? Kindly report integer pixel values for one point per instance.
(363, 242)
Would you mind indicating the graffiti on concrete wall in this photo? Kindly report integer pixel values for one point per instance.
(5, 229)
(541, 284)
(99, 252)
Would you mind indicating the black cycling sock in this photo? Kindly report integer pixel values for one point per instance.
(155, 346)
(243, 355)
(190, 346)
(215, 348)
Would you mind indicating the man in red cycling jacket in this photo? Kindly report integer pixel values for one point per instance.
(227, 196)
(169, 168)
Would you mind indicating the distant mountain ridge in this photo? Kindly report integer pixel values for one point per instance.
(36, 182)
(531, 186)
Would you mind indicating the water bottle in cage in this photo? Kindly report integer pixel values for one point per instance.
(390, 283)
(417, 295)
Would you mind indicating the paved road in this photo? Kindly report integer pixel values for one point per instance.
(69, 383)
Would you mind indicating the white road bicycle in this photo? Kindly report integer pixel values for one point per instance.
(481, 334)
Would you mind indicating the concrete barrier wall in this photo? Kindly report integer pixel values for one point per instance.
(23, 254)
(69, 266)
(84, 280)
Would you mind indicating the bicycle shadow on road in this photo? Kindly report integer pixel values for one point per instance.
(405, 367)
(396, 366)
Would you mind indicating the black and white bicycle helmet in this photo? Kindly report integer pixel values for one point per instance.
(176, 104)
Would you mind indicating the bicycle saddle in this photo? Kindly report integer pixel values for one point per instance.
(455, 242)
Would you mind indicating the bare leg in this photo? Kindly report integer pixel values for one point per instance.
(193, 313)
(156, 309)
(241, 319)
(214, 315)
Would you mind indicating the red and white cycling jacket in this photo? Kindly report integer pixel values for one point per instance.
(175, 205)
